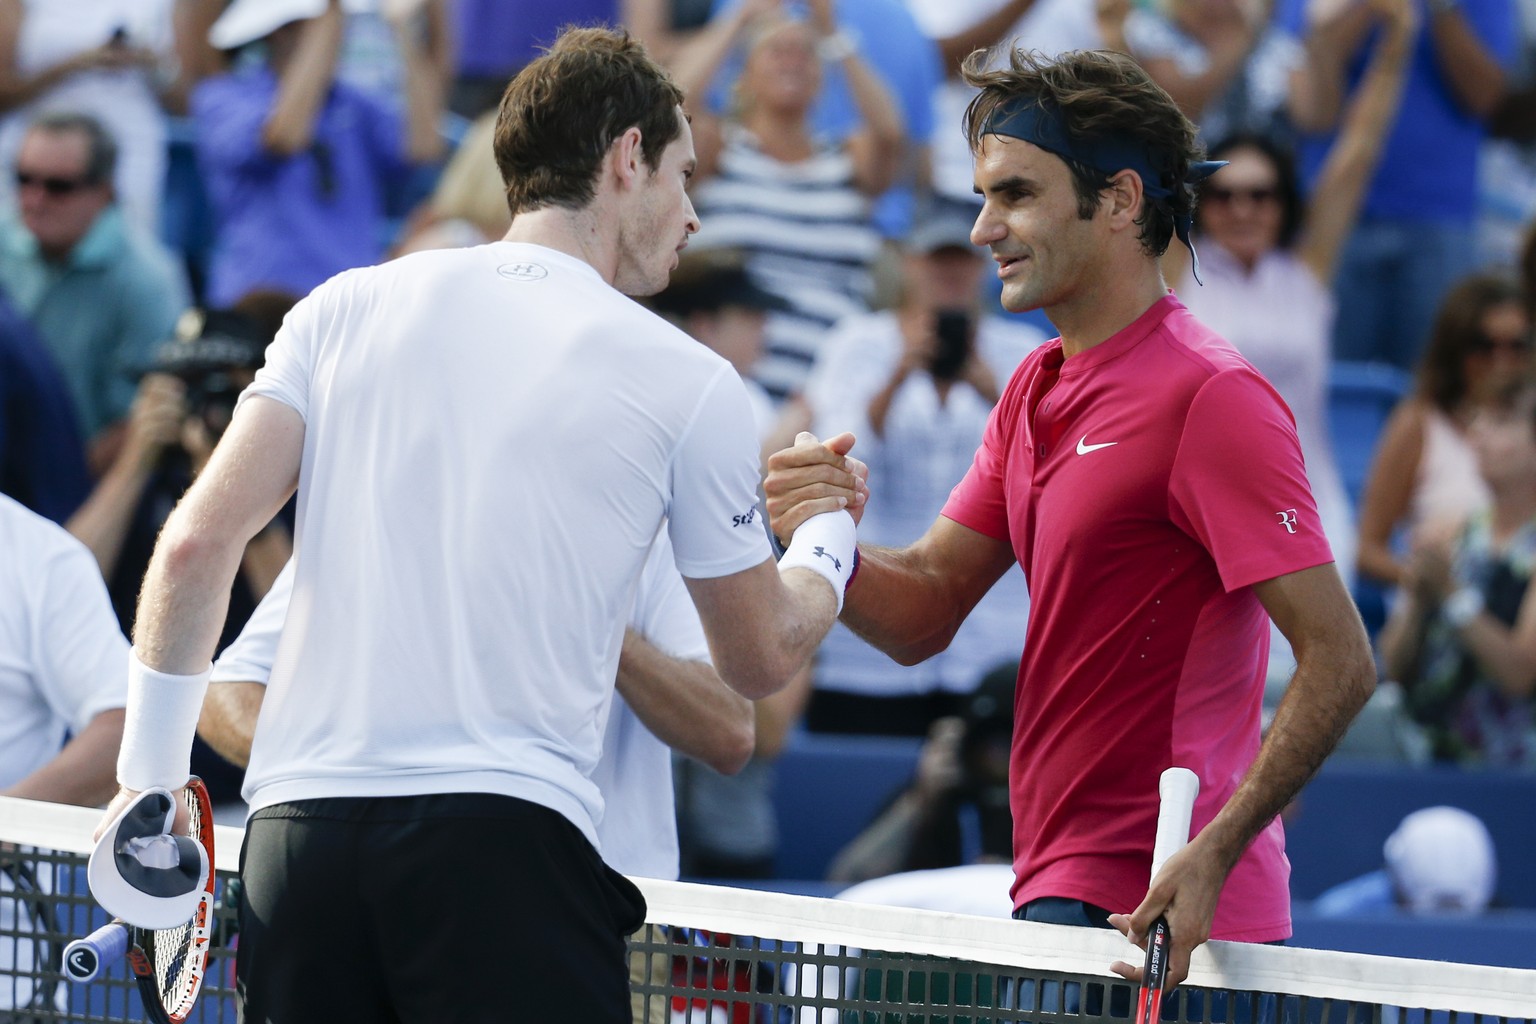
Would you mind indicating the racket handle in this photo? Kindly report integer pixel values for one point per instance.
(1177, 789)
(85, 959)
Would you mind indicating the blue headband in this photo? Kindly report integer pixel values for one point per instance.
(1031, 119)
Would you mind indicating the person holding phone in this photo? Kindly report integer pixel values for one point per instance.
(915, 384)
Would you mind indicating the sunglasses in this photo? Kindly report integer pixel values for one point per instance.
(1515, 346)
(55, 187)
(1227, 196)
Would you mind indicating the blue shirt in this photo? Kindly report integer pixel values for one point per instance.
(497, 37)
(101, 312)
(42, 462)
(290, 223)
(1428, 168)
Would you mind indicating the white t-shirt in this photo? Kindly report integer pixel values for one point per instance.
(493, 438)
(638, 831)
(63, 658)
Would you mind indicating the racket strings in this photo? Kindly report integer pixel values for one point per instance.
(175, 954)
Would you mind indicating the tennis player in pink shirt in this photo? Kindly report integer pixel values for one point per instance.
(1150, 483)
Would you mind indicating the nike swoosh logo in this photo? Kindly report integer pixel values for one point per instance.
(1083, 448)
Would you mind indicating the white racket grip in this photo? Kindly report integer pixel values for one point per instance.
(1176, 789)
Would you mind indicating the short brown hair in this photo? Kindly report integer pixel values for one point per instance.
(1100, 94)
(563, 111)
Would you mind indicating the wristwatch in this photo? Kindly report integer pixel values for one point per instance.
(1462, 607)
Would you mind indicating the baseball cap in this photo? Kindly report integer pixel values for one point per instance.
(245, 21)
(1442, 861)
(946, 226)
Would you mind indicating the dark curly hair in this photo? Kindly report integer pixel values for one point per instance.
(1458, 332)
(564, 110)
(1100, 94)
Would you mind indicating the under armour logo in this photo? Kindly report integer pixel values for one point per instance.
(1287, 519)
(821, 552)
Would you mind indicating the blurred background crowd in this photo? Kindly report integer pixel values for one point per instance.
(177, 173)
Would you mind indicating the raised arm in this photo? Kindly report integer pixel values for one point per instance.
(876, 147)
(1470, 69)
(420, 34)
(1351, 162)
(1228, 42)
(17, 88)
(1334, 678)
(694, 66)
(303, 85)
(980, 35)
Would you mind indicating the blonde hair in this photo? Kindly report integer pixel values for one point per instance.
(470, 187)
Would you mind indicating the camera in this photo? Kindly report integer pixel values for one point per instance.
(952, 329)
(215, 354)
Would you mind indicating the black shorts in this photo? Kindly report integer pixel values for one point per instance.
(463, 907)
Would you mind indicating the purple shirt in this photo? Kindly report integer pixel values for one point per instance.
(497, 37)
(290, 223)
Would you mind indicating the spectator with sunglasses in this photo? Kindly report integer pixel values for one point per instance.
(1424, 475)
(297, 163)
(1269, 263)
(101, 294)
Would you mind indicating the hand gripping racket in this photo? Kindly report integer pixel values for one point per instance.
(167, 963)
(1177, 789)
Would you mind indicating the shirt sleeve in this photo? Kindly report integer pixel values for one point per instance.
(249, 659)
(713, 518)
(664, 613)
(980, 500)
(1239, 485)
(81, 654)
(290, 359)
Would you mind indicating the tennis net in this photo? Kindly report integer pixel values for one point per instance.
(715, 955)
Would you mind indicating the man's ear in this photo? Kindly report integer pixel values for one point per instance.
(626, 159)
(1123, 199)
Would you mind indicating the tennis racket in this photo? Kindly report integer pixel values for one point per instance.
(167, 963)
(1177, 789)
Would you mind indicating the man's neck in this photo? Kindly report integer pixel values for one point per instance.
(577, 233)
(1104, 308)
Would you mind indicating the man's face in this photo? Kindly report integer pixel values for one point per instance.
(1030, 222)
(658, 221)
(58, 204)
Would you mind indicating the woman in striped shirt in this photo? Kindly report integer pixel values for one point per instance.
(797, 204)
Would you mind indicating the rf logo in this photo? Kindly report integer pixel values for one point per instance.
(1287, 519)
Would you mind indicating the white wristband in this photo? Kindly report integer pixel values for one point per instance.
(825, 544)
(161, 721)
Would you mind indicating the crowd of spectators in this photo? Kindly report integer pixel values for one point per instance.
(1378, 205)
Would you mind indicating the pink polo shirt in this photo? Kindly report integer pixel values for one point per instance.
(1144, 486)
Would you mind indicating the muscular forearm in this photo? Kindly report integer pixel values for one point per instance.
(899, 606)
(686, 705)
(184, 599)
(1330, 686)
(303, 86)
(84, 772)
